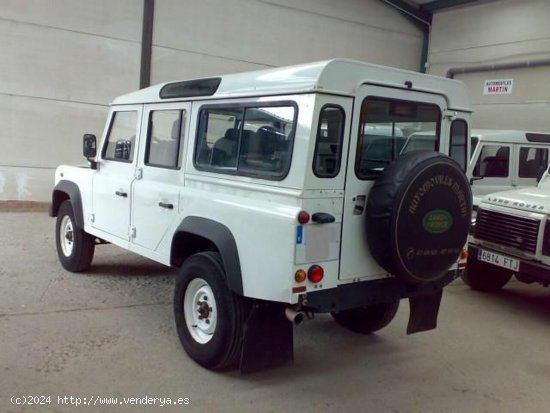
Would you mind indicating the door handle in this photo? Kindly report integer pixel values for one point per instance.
(166, 205)
(122, 194)
(322, 218)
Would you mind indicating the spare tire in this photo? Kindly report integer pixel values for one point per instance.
(418, 215)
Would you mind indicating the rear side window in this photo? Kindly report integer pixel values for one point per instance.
(459, 136)
(390, 128)
(328, 146)
(122, 137)
(164, 138)
(532, 162)
(493, 162)
(246, 140)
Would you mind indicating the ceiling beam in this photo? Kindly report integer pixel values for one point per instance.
(421, 16)
(444, 4)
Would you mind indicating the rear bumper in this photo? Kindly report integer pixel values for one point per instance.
(354, 295)
(531, 270)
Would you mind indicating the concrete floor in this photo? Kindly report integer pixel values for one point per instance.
(110, 333)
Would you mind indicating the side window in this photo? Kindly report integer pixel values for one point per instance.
(389, 128)
(493, 161)
(121, 140)
(459, 136)
(328, 146)
(532, 162)
(164, 138)
(247, 140)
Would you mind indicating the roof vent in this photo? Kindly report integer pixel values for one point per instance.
(190, 88)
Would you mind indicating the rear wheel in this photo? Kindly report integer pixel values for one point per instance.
(75, 247)
(209, 317)
(485, 277)
(367, 319)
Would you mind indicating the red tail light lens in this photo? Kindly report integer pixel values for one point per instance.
(303, 217)
(315, 273)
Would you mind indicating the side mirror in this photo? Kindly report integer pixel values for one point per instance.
(475, 178)
(89, 148)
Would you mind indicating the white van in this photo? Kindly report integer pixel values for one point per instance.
(506, 159)
(279, 193)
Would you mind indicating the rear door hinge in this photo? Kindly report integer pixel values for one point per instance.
(132, 232)
(139, 173)
(451, 114)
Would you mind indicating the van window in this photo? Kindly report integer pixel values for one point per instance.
(532, 162)
(389, 128)
(164, 138)
(122, 137)
(493, 161)
(328, 146)
(458, 148)
(246, 140)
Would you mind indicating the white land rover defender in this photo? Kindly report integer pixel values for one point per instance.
(279, 194)
(511, 237)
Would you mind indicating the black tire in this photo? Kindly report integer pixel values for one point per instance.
(418, 215)
(485, 277)
(368, 319)
(75, 247)
(221, 347)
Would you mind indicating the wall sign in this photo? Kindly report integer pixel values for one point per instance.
(498, 87)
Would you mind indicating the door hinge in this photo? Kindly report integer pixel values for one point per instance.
(132, 232)
(91, 218)
(139, 173)
(451, 114)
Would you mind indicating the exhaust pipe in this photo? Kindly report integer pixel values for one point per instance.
(295, 317)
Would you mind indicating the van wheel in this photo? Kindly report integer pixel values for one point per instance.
(367, 319)
(484, 277)
(75, 247)
(209, 317)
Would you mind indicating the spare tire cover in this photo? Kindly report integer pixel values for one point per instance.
(418, 215)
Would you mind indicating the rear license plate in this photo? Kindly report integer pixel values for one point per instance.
(498, 259)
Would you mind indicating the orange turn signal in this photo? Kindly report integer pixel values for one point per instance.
(300, 276)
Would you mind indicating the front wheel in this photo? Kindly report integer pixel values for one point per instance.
(367, 319)
(209, 317)
(75, 247)
(485, 277)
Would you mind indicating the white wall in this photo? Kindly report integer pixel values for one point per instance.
(63, 61)
(498, 32)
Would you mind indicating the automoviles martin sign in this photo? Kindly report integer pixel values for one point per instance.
(498, 87)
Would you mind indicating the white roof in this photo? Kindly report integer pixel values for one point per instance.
(338, 76)
(508, 135)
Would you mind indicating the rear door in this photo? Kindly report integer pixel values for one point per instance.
(155, 192)
(531, 161)
(386, 123)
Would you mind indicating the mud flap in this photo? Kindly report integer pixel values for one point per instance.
(268, 338)
(424, 310)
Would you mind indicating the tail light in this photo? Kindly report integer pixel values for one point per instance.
(303, 217)
(315, 273)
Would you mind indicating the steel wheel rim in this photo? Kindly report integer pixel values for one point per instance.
(200, 310)
(66, 236)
